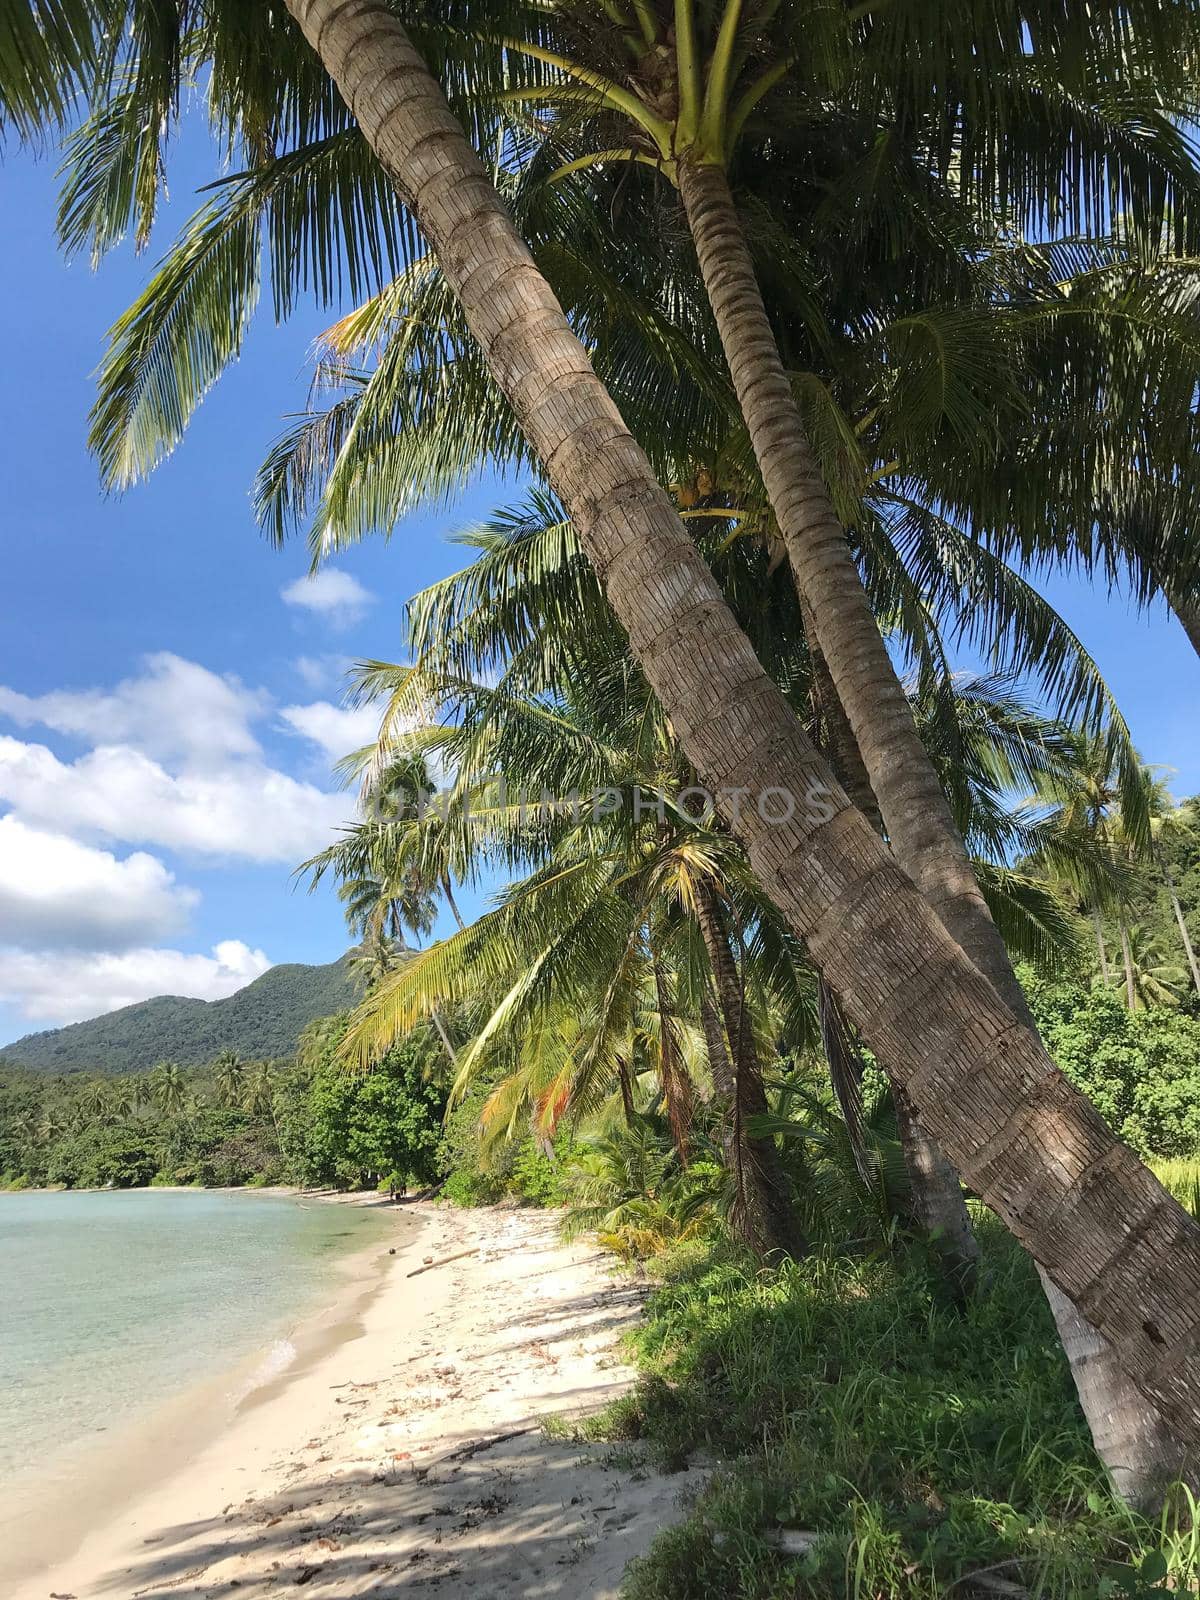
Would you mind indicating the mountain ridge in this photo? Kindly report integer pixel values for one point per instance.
(262, 1020)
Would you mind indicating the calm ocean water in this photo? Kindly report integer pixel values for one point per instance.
(111, 1304)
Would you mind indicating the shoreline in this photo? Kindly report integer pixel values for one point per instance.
(65, 1503)
(405, 1448)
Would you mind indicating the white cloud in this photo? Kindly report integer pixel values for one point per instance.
(171, 761)
(331, 593)
(337, 730)
(246, 810)
(175, 709)
(57, 892)
(49, 989)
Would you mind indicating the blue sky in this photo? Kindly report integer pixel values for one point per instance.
(168, 717)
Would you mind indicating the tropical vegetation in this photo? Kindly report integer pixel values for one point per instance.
(819, 335)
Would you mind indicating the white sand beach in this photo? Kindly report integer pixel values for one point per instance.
(403, 1452)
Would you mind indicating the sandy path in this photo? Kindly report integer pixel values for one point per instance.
(409, 1457)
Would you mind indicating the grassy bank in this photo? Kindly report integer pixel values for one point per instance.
(932, 1452)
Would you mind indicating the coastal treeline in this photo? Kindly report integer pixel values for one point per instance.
(816, 338)
(303, 1122)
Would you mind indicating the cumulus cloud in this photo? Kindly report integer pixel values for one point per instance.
(49, 988)
(336, 730)
(246, 810)
(56, 892)
(174, 710)
(170, 761)
(332, 594)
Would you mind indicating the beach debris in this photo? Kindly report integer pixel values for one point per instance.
(445, 1261)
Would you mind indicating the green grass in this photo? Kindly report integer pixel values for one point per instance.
(839, 1396)
(1182, 1179)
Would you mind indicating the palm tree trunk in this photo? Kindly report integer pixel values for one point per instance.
(938, 1204)
(1127, 959)
(450, 901)
(1187, 608)
(715, 1048)
(845, 1076)
(626, 1092)
(915, 811)
(1168, 873)
(1139, 1451)
(916, 814)
(1098, 928)
(676, 1086)
(1026, 1141)
(451, 1052)
(764, 1213)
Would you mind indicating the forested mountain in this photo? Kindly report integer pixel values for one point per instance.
(261, 1021)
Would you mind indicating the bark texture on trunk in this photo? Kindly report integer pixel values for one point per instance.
(1139, 1451)
(915, 812)
(909, 794)
(1090, 1212)
(764, 1213)
(938, 1204)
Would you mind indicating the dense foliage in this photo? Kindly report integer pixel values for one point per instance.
(1141, 1068)
(306, 1122)
(265, 1019)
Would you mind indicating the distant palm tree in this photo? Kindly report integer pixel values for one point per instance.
(230, 1078)
(123, 1098)
(167, 1089)
(259, 1090)
(1150, 979)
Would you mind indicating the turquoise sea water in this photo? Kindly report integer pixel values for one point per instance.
(110, 1304)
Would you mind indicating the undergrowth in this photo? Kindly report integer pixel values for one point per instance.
(933, 1451)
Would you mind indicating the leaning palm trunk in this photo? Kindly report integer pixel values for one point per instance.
(763, 1212)
(915, 812)
(938, 1205)
(1139, 1450)
(1104, 1228)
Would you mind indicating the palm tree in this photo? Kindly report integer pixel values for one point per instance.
(229, 1075)
(1165, 823)
(979, 1076)
(259, 1091)
(168, 1089)
(1150, 980)
(641, 562)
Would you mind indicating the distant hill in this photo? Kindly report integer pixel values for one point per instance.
(262, 1020)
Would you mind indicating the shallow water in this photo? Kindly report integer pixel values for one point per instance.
(112, 1303)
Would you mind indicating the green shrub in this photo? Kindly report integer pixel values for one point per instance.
(921, 1443)
(1141, 1069)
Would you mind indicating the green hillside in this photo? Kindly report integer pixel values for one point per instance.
(263, 1020)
